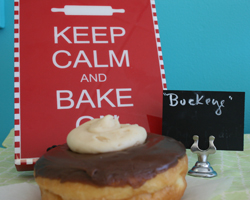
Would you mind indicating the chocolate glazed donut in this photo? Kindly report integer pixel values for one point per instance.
(132, 166)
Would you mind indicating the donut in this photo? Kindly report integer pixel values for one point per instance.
(154, 170)
(106, 160)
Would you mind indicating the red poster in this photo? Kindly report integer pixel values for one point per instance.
(78, 59)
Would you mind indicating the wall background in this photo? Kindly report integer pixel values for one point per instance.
(205, 44)
(7, 71)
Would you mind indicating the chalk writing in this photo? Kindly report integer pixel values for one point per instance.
(196, 101)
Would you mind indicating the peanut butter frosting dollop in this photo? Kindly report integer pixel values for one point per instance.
(105, 135)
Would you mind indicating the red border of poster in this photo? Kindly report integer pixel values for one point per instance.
(78, 60)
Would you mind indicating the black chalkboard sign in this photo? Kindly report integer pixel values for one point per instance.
(205, 113)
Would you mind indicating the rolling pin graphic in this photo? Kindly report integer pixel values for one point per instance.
(88, 10)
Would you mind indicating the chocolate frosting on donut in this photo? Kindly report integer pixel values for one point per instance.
(133, 166)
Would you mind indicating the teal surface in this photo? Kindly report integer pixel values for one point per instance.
(205, 46)
(7, 71)
(2, 15)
